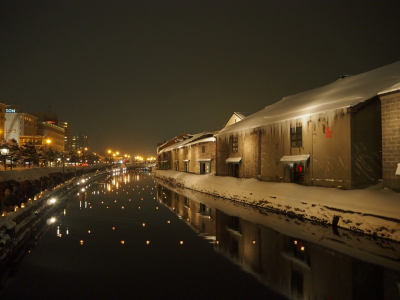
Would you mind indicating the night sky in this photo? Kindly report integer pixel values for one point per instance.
(133, 73)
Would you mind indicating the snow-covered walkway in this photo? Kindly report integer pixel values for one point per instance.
(373, 211)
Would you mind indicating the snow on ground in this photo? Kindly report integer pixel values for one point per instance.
(374, 211)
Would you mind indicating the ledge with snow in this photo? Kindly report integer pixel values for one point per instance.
(374, 211)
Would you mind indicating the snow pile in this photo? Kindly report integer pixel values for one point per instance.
(372, 211)
(343, 93)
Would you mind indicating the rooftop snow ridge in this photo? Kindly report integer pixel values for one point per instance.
(336, 95)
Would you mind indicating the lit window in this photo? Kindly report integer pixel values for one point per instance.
(235, 143)
(296, 136)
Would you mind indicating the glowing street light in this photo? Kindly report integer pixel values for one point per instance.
(4, 152)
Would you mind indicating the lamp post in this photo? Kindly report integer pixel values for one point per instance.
(48, 141)
(63, 164)
(83, 159)
(109, 155)
(4, 153)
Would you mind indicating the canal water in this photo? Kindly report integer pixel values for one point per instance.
(129, 236)
(115, 240)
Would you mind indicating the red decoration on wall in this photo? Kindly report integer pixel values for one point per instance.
(300, 168)
(328, 132)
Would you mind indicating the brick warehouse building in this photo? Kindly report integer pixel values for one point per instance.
(390, 99)
(330, 136)
(192, 154)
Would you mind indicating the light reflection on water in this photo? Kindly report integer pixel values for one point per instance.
(140, 244)
(296, 258)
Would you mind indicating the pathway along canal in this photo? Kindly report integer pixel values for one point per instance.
(115, 240)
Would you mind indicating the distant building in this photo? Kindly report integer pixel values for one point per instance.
(68, 134)
(81, 141)
(2, 119)
(192, 153)
(52, 135)
(19, 124)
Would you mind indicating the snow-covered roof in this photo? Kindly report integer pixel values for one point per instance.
(234, 118)
(295, 158)
(343, 93)
(187, 141)
(393, 88)
(241, 114)
(205, 140)
(176, 139)
(234, 160)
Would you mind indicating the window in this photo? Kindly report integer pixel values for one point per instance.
(187, 202)
(186, 167)
(235, 144)
(296, 136)
(203, 149)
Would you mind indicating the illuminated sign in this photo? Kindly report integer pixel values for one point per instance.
(328, 132)
(11, 110)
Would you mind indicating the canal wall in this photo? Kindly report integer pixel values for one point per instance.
(253, 218)
(24, 224)
(374, 211)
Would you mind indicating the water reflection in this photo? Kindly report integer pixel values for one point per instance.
(298, 259)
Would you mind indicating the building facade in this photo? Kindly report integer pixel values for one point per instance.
(19, 124)
(49, 134)
(81, 141)
(2, 119)
(68, 134)
(191, 153)
(390, 99)
(330, 136)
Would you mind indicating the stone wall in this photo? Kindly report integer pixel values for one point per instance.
(391, 139)
(248, 150)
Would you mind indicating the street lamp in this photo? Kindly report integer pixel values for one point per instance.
(109, 155)
(48, 141)
(63, 165)
(4, 151)
(83, 159)
(8, 131)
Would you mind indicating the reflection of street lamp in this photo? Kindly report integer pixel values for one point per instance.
(4, 151)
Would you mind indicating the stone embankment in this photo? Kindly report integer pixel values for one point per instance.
(19, 228)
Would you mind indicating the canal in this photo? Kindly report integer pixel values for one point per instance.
(115, 240)
(128, 236)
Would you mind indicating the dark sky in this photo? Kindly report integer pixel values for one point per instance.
(133, 73)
